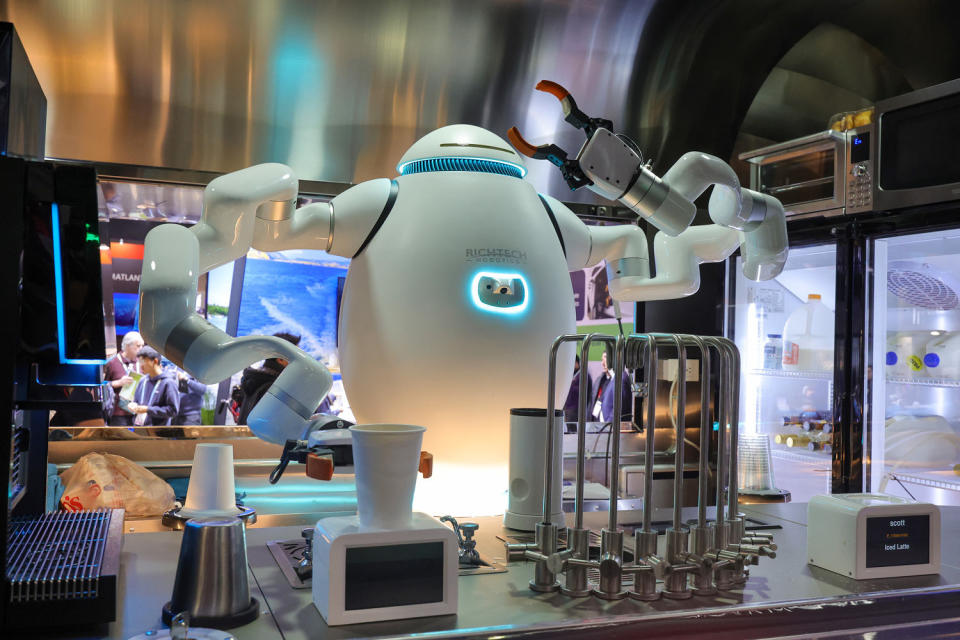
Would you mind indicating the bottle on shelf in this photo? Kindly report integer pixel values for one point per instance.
(797, 440)
(808, 337)
(773, 351)
(905, 354)
(792, 421)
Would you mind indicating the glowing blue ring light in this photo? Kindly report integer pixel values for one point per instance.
(500, 276)
(459, 163)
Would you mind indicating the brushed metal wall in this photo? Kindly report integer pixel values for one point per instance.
(338, 90)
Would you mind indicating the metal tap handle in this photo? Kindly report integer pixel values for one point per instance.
(518, 550)
(468, 529)
(456, 529)
(761, 541)
(755, 550)
(557, 561)
(760, 534)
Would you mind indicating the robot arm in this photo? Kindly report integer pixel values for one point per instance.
(253, 207)
(611, 166)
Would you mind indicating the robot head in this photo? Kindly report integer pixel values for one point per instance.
(462, 147)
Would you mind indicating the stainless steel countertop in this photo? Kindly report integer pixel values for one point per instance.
(783, 591)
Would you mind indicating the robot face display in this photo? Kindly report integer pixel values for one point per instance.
(499, 292)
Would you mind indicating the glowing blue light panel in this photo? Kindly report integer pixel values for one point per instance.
(513, 309)
(58, 279)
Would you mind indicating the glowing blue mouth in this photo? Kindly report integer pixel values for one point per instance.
(500, 292)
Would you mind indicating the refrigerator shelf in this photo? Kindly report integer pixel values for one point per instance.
(924, 382)
(797, 375)
(802, 456)
(926, 480)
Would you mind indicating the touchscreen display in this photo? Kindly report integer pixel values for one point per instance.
(394, 575)
(895, 541)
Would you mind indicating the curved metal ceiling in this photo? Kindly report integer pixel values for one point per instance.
(338, 90)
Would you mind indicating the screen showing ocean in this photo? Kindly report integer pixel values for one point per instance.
(296, 292)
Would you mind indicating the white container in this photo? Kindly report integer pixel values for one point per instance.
(905, 351)
(212, 491)
(808, 337)
(386, 458)
(528, 436)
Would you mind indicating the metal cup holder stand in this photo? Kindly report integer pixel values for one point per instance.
(698, 560)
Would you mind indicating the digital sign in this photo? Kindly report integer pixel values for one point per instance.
(895, 541)
(860, 148)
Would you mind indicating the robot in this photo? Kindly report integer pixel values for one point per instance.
(458, 282)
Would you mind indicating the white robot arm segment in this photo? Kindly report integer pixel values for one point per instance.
(623, 246)
(339, 227)
(308, 227)
(231, 204)
(668, 205)
(252, 207)
(611, 165)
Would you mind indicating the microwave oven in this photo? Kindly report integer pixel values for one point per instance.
(918, 155)
(824, 174)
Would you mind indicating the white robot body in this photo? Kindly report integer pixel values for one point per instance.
(426, 335)
(458, 285)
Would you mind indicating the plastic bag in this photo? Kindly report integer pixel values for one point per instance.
(105, 480)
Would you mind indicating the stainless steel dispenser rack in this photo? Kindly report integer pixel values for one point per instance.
(699, 560)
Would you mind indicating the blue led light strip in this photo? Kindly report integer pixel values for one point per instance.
(478, 165)
(58, 279)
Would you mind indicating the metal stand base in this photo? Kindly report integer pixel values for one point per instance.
(645, 597)
(677, 595)
(176, 521)
(619, 595)
(544, 588)
(710, 591)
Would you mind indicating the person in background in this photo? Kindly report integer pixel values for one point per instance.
(156, 398)
(572, 403)
(117, 374)
(603, 399)
(255, 381)
(191, 399)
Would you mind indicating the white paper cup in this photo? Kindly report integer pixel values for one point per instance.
(212, 490)
(386, 460)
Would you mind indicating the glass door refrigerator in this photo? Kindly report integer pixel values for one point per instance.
(785, 330)
(912, 378)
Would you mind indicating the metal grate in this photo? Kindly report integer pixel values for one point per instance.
(56, 556)
(462, 164)
(921, 285)
(18, 461)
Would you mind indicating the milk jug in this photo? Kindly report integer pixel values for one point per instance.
(808, 337)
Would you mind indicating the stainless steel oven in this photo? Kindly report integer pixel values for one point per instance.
(824, 174)
(919, 148)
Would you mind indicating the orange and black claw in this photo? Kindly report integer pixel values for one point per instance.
(572, 113)
(550, 152)
(554, 89)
